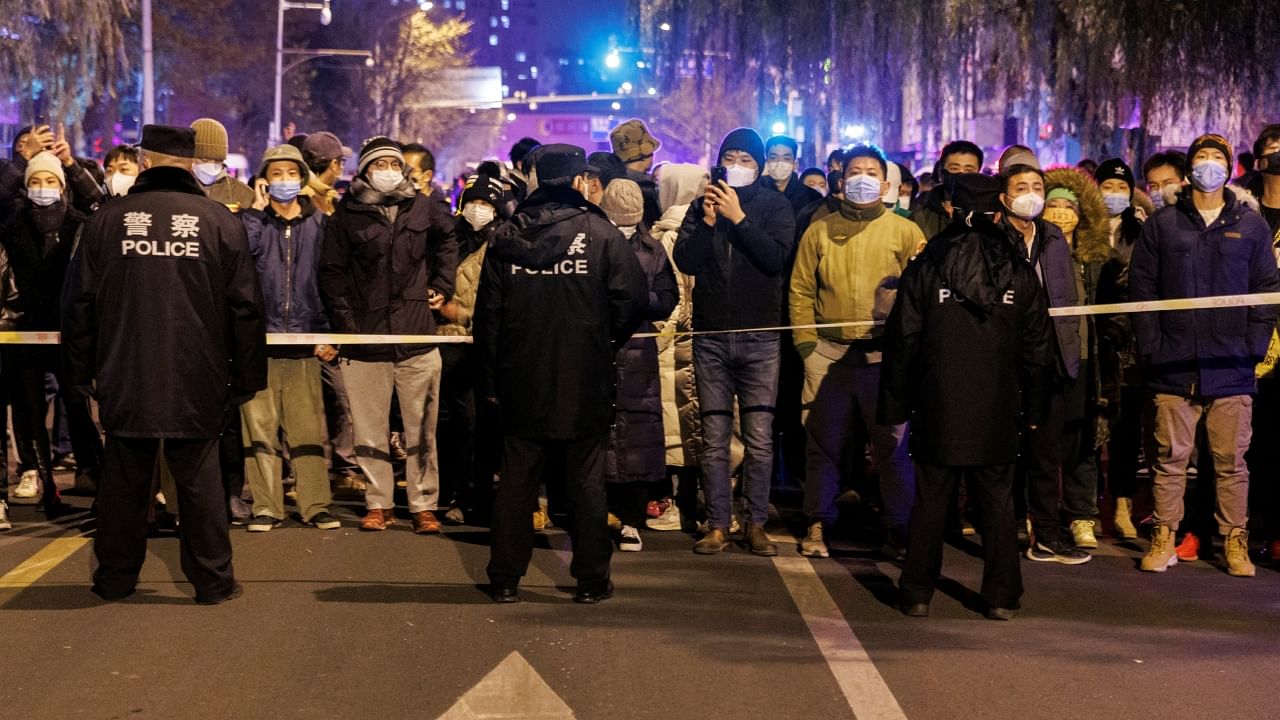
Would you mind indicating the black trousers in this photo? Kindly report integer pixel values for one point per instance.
(124, 497)
(25, 369)
(1126, 442)
(992, 487)
(511, 534)
(456, 427)
(1040, 470)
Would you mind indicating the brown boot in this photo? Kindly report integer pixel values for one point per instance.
(758, 542)
(715, 541)
(425, 523)
(378, 519)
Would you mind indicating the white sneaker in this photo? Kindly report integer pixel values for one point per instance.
(630, 541)
(668, 520)
(4, 517)
(1082, 533)
(28, 486)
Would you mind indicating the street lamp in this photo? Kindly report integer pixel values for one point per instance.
(779, 127)
(326, 15)
(613, 60)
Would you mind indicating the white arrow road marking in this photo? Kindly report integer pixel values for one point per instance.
(865, 690)
(511, 690)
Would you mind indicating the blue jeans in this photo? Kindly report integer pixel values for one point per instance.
(745, 365)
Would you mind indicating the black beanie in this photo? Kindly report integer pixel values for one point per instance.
(746, 140)
(482, 187)
(1215, 141)
(1115, 169)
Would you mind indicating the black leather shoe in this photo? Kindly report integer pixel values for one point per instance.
(1001, 613)
(916, 609)
(236, 592)
(504, 594)
(590, 596)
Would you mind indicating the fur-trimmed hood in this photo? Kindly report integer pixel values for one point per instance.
(1093, 234)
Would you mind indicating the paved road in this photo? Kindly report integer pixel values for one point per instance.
(343, 624)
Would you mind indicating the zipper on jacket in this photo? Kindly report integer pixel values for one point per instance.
(288, 272)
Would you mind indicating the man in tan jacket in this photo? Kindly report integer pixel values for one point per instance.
(846, 270)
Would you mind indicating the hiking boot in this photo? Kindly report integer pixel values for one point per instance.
(425, 523)
(1082, 534)
(378, 519)
(1123, 520)
(1189, 549)
(758, 542)
(1162, 554)
(1237, 550)
(715, 541)
(813, 544)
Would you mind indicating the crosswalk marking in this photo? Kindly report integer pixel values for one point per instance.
(513, 689)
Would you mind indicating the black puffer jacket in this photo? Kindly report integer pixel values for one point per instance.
(39, 242)
(637, 447)
(560, 293)
(375, 271)
(969, 337)
(739, 268)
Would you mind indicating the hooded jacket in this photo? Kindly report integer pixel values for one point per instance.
(561, 291)
(739, 268)
(1205, 353)
(969, 337)
(162, 309)
(678, 185)
(286, 254)
(381, 256)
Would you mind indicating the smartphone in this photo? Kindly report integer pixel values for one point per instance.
(719, 174)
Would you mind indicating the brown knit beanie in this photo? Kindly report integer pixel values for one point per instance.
(211, 139)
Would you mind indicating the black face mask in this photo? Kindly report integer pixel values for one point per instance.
(1270, 164)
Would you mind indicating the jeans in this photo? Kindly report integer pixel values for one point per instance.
(744, 365)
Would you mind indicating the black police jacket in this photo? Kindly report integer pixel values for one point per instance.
(161, 308)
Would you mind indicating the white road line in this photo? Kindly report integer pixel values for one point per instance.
(865, 690)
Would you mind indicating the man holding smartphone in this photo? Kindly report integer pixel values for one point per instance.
(736, 240)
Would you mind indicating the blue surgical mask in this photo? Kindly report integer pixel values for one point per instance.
(862, 189)
(1116, 202)
(207, 173)
(43, 197)
(1208, 176)
(284, 190)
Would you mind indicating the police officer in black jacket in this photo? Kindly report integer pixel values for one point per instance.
(162, 320)
(969, 337)
(561, 291)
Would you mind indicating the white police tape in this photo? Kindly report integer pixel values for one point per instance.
(1204, 303)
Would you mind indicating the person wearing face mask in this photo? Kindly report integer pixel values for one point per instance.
(1117, 346)
(736, 241)
(635, 463)
(285, 233)
(908, 190)
(560, 293)
(780, 172)
(933, 213)
(83, 190)
(967, 352)
(815, 180)
(1201, 364)
(212, 146)
(121, 168)
(1040, 242)
(1264, 454)
(468, 441)
(846, 270)
(1084, 403)
(389, 261)
(830, 202)
(38, 239)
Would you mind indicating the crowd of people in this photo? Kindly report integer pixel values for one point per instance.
(626, 345)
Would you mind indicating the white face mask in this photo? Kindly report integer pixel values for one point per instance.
(478, 215)
(119, 183)
(207, 173)
(1028, 206)
(904, 202)
(779, 169)
(738, 176)
(385, 181)
(628, 231)
(44, 197)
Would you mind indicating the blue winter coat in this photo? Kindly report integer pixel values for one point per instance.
(1206, 353)
(287, 256)
(1058, 278)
